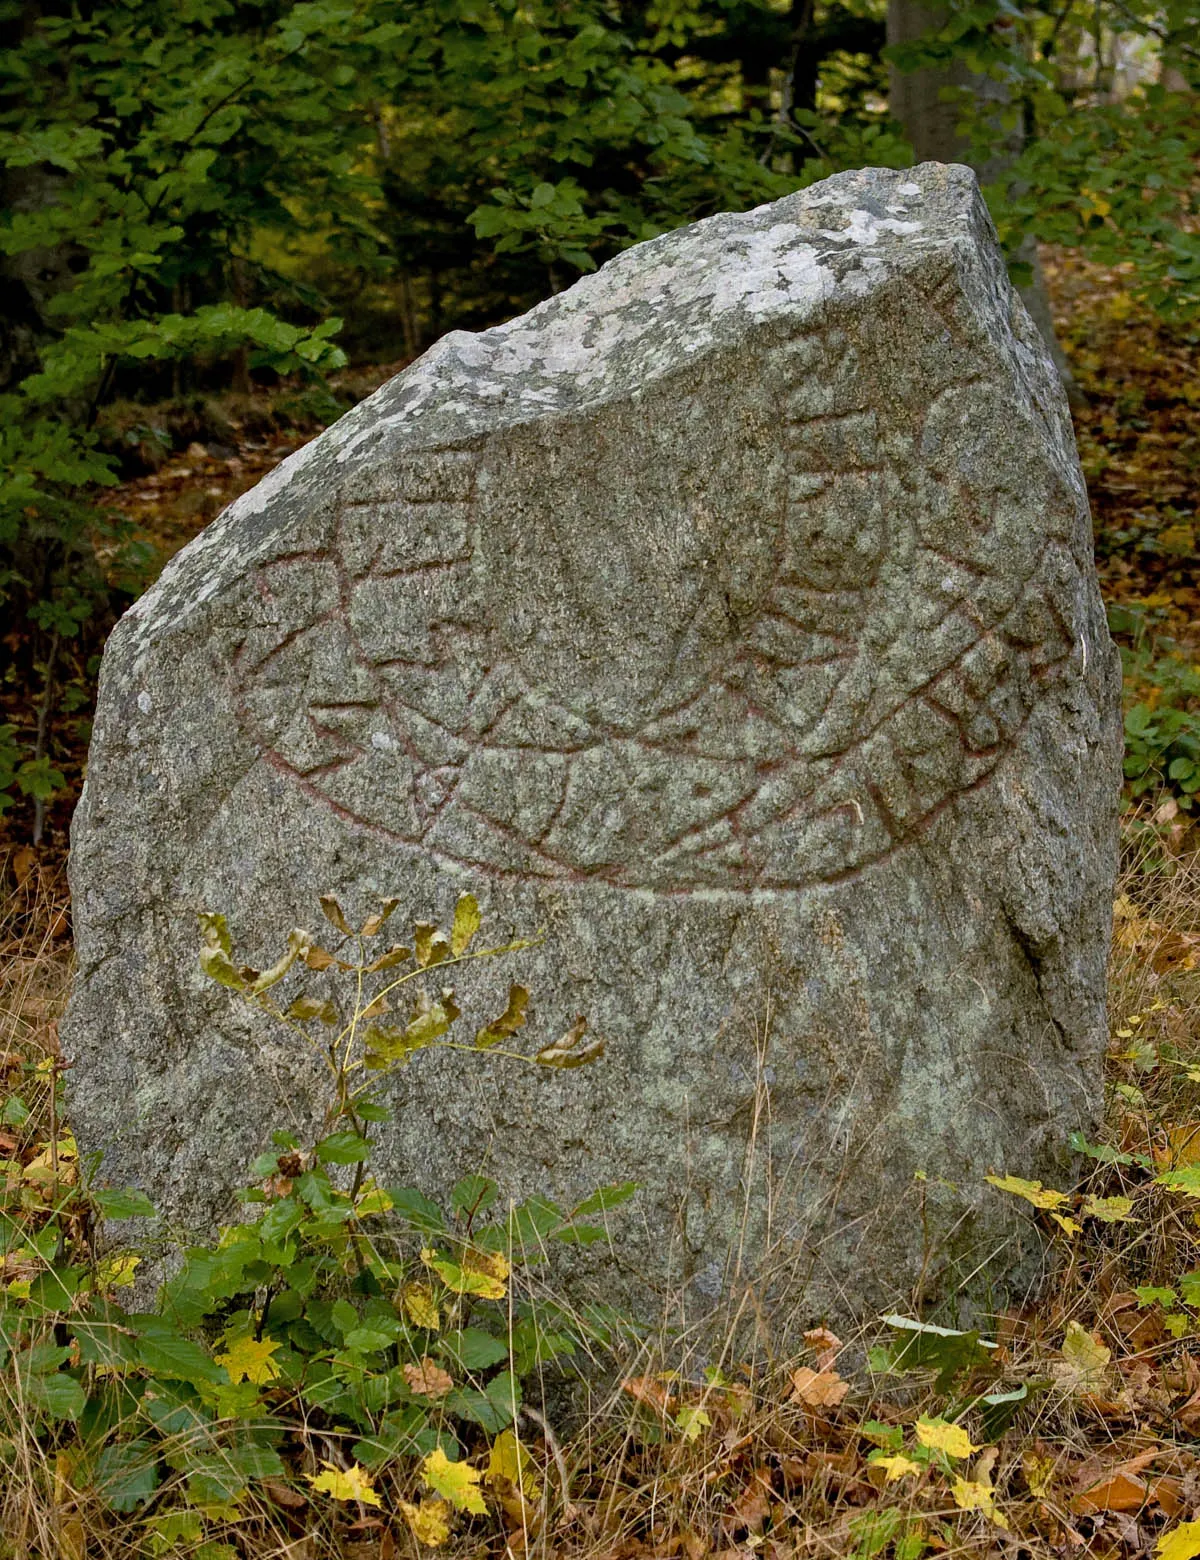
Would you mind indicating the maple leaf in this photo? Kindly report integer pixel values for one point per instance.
(249, 1359)
(939, 1436)
(818, 1388)
(1181, 1543)
(428, 1379)
(457, 1482)
(969, 1495)
(429, 1521)
(353, 1483)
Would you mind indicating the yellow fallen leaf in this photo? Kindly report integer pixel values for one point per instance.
(1067, 1223)
(1109, 1210)
(353, 1483)
(249, 1359)
(457, 1482)
(1181, 1543)
(939, 1436)
(896, 1467)
(1032, 1191)
(692, 1422)
(971, 1496)
(429, 1521)
(1038, 1471)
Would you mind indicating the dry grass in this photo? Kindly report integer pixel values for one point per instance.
(689, 1453)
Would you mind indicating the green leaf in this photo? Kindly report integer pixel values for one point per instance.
(474, 1194)
(417, 1210)
(604, 1199)
(473, 1349)
(467, 921)
(922, 1346)
(128, 1203)
(127, 1474)
(343, 1148)
(56, 1396)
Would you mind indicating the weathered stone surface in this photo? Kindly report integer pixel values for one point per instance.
(733, 616)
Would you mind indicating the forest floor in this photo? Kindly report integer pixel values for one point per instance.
(1074, 1432)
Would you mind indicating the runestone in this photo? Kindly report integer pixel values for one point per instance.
(732, 616)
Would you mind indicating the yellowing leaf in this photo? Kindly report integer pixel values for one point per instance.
(896, 1467)
(1085, 1361)
(1067, 1223)
(431, 945)
(1032, 1191)
(970, 1496)
(481, 1273)
(116, 1272)
(1181, 1543)
(1038, 1471)
(1110, 1210)
(567, 1051)
(508, 1460)
(457, 1482)
(420, 1306)
(512, 1019)
(939, 1436)
(248, 1359)
(353, 1483)
(430, 1521)
(428, 1379)
(466, 924)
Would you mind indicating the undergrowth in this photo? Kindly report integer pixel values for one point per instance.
(354, 1370)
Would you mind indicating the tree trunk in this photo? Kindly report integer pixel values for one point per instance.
(932, 127)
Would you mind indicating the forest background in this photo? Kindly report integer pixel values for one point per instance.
(225, 220)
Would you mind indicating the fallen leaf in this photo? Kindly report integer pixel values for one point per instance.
(824, 1344)
(1120, 1492)
(457, 1482)
(971, 1496)
(428, 1379)
(1085, 1362)
(429, 1521)
(353, 1483)
(1181, 1543)
(818, 1389)
(940, 1436)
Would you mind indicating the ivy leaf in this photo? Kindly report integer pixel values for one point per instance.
(467, 921)
(353, 1483)
(250, 1359)
(456, 1482)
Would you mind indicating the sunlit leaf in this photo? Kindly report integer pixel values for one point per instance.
(456, 1482)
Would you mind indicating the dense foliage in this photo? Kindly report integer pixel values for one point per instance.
(195, 193)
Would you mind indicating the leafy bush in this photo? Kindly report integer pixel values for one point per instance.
(341, 1335)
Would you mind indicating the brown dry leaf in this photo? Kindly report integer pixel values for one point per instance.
(23, 863)
(1119, 1492)
(1187, 1416)
(824, 1344)
(753, 1505)
(283, 1495)
(428, 1379)
(818, 1388)
(649, 1391)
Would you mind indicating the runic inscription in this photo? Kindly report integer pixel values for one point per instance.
(882, 663)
